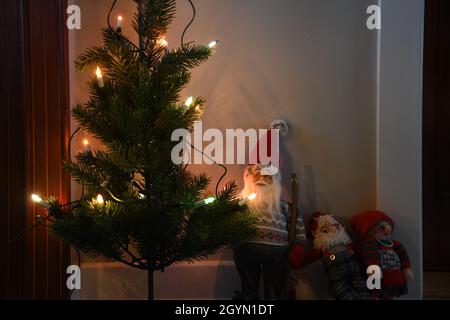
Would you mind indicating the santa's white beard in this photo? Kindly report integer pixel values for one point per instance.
(268, 196)
(323, 241)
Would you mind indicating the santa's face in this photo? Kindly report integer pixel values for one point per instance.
(329, 233)
(260, 180)
(267, 187)
(383, 232)
(329, 227)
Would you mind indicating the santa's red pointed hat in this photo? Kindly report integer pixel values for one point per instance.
(264, 150)
(363, 222)
(264, 145)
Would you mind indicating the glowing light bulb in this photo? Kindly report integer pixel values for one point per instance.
(189, 102)
(197, 108)
(163, 42)
(213, 44)
(99, 74)
(100, 200)
(251, 197)
(119, 23)
(210, 200)
(36, 198)
(205, 202)
(87, 147)
(142, 196)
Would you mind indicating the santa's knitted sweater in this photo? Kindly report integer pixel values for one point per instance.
(386, 257)
(273, 231)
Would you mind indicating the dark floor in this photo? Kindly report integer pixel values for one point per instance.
(436, 286)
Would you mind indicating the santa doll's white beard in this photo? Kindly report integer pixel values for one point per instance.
(268, 196)
(323, 241)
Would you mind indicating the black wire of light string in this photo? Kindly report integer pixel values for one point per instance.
(108, 22)
(194, 13)
(216, 163)
(22, 233)
(108, 19)
(183, 44)
(82, 185)
(69, 150)
(138, 49)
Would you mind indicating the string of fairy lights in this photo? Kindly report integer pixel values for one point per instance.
(191, 102)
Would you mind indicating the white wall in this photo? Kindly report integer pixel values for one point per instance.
(313, 62)
(400, 125)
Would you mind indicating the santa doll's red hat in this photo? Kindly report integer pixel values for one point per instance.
(264, 147)
(268, 148)
(363, 222)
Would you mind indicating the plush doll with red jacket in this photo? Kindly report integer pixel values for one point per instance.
(333, 245)
(375, 231)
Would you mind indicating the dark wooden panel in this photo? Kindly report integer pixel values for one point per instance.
(57, 129)
(436, 159)
(35, 127)
(48, 130)
(12, 163)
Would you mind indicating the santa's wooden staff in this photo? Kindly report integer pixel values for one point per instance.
(294, 208)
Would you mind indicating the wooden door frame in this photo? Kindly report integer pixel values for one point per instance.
(429, 113)
(35, 120)
(433, 39)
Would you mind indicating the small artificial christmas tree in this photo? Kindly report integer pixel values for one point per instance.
(138, 207)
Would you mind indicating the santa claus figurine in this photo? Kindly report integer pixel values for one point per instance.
(266, 255)
(378, 247)
(333, 245)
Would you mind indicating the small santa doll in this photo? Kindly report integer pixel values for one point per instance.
(267, 254)
(333, 245)
(375, 231)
